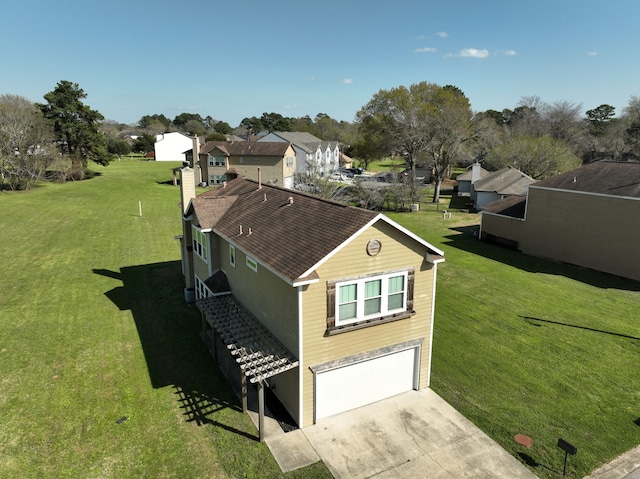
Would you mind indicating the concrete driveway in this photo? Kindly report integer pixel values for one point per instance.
(415, 434)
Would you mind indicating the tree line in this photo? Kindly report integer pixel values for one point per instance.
(426, 124)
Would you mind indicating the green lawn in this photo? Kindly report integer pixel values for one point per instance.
(524, 345)
(94, 329)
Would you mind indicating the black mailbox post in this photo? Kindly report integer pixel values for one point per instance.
(568, 448)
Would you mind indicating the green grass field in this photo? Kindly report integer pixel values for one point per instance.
(94, 328)
(524, 345)
(103, 373)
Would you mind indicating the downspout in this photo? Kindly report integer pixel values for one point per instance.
(433, 311)
(300, 362)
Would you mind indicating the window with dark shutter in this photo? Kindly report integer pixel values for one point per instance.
(368, 300)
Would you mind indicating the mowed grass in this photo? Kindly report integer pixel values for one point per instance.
(524, 345)
(102, 372)
(94, 329)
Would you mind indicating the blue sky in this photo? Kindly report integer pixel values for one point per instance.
(233, 60)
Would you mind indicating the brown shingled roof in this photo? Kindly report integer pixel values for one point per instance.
(246, 148)
(287, 231)
(619, 178)
(513, 206)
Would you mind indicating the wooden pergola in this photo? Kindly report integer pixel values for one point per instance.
(258, 353)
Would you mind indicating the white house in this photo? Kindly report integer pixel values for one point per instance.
(314, 156)
(172, 146)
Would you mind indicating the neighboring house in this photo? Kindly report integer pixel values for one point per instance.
(330, 306)
(499, 184)
(172, 146)
(586, 217)
(219, 161)
(345, 161)
(315, 156)
(129, 137)
(474, 173)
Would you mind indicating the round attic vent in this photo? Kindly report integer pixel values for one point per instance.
(373, 247)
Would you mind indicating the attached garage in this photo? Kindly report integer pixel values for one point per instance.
(363, 379)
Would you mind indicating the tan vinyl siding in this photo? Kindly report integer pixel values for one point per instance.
(285, 387)
(502, 226)
(595, 231)
(200, 268)
(273, 169)
(397, 252)
(214, 252)
(273, 302)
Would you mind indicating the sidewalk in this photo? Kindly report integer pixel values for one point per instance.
(626, 466)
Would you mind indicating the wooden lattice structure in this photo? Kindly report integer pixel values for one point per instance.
(256, 351)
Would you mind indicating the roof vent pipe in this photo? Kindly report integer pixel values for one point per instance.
(265, 198)
(249, 230)
(241, 229)
(290, 200)
(259, 178)
(575, 179)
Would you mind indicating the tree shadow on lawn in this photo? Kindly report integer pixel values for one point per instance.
(466, 239)
(535, 322)
(169, 335)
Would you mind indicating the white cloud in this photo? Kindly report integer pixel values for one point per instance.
(347, 81)
(474, 53)
(442, 34)
(592, 54)
(426, 50)
(509, 53)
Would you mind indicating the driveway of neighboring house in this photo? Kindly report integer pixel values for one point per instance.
(415, 434)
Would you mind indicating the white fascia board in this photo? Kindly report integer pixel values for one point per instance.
(357, 233)
(305, 282)
(434, 259)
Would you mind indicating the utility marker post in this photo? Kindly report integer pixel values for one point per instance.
(140, 208)
(568, 448)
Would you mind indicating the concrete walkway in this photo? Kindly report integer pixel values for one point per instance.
(626, 466)
(415, 434)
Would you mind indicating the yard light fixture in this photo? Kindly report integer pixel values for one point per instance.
(568, 448)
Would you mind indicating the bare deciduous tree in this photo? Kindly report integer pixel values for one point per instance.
(25, 143)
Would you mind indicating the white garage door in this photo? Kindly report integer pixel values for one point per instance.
(365, 382)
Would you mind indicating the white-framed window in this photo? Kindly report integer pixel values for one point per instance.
(232, 255)
(252, 263)
(370, 297)
(217, 179)
(217, 161)
(241, 159)
(201, 289)
(199, 242)
(289, 160)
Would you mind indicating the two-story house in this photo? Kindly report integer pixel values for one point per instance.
(587, 217)
(220, 160)
(171, 146)
(331, 306)
(314, 156)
